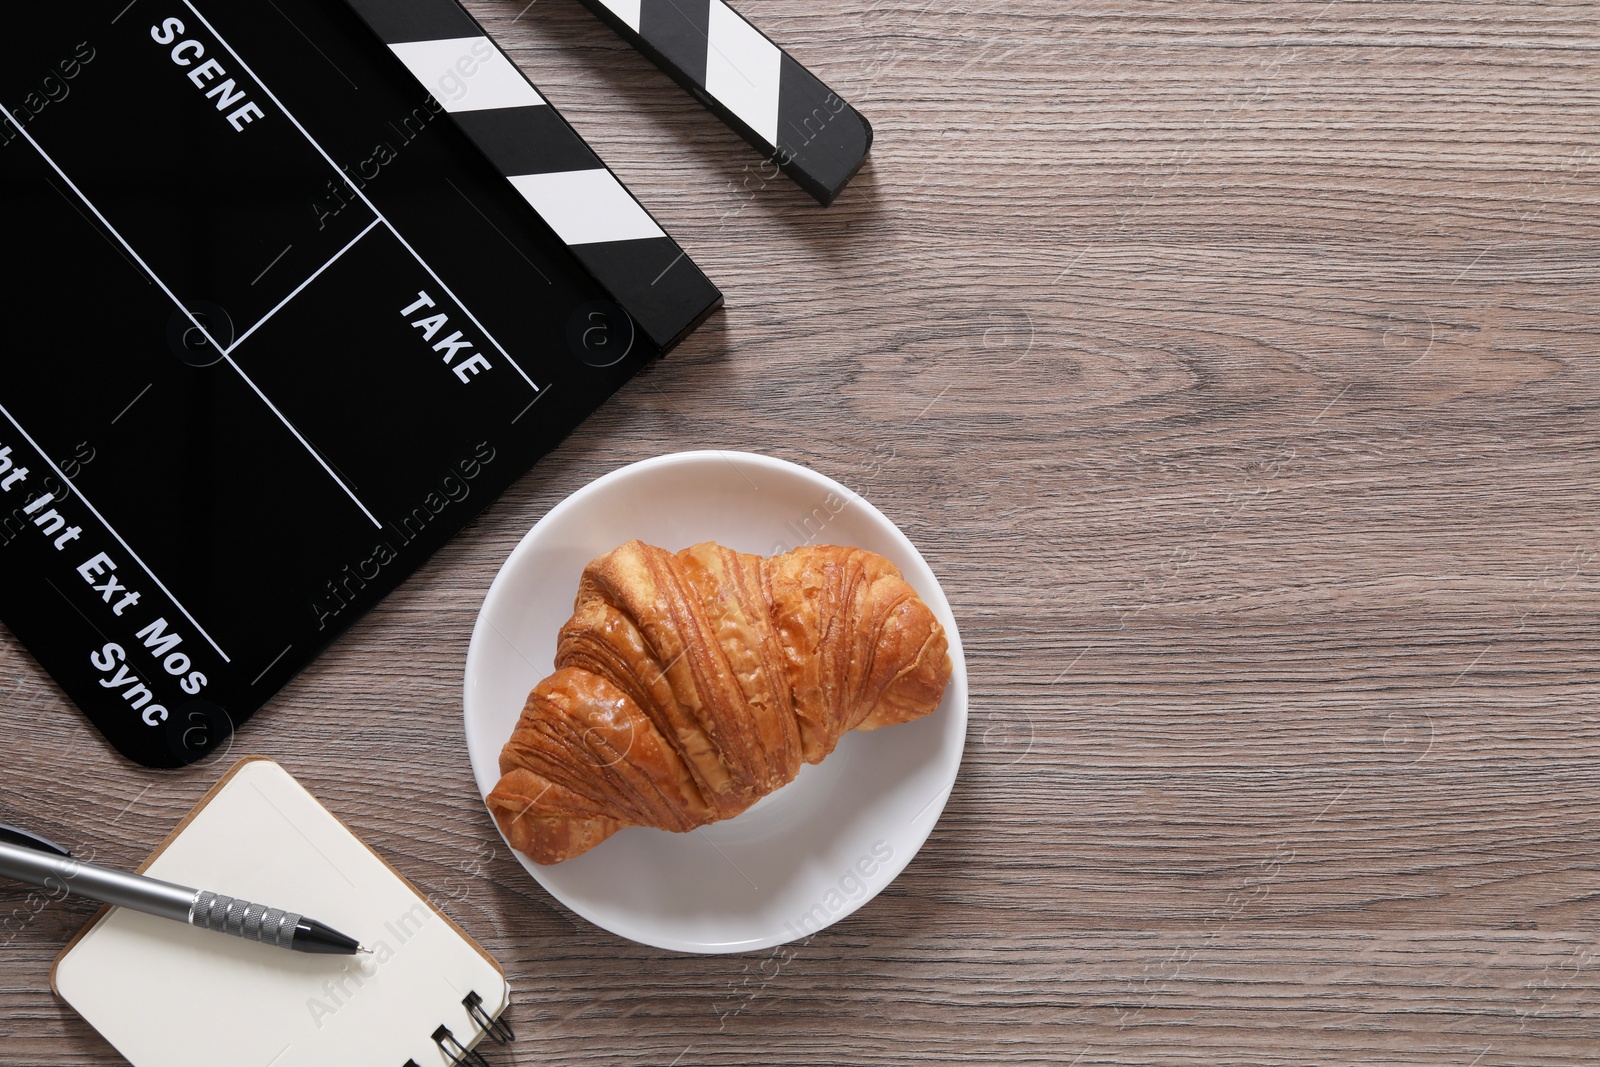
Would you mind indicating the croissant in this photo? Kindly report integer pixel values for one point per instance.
(690, 685)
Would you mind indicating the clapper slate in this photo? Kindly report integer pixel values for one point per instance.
(278, 329)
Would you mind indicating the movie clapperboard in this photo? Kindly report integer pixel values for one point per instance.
(296, 288)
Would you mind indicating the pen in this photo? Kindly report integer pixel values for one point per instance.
(28, 858)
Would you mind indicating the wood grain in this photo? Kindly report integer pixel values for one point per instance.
(1234, 366)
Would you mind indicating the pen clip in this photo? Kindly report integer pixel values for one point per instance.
(12, 836)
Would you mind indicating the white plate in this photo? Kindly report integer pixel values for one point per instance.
(804, 857)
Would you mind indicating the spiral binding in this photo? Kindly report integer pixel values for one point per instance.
(498, 1029)
(460, 1055)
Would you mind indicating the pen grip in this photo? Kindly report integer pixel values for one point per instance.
(253, 922)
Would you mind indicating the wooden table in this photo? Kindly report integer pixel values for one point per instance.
(1233, 366)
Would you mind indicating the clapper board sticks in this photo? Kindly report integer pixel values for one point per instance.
(501, 111)
(757, 88)
(280, 327)
(803, 128)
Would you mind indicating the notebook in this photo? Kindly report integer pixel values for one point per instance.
(167, 995)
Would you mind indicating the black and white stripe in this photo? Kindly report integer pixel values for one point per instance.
(593, 213)
(756, 87)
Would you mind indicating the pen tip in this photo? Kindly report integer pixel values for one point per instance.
(363, 950)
